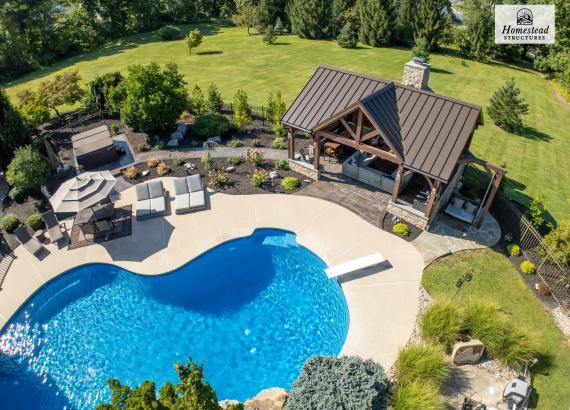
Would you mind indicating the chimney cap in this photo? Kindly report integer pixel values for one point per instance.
(419, 60)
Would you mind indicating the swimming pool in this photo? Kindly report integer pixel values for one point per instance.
(252, 310)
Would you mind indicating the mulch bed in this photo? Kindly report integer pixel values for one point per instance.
(239, 180)
(388, 223)
(84, 235)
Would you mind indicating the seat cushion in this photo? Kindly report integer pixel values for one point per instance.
(155, 188)
(194, 183)
(197, 199)
(142, 192)
(180, 186)
(143, 208)
(182, 202)
(458, 202)
(158, 205)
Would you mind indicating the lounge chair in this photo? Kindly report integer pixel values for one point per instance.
(31, 244)
(54, 228)
(189, 194)
(151, 200)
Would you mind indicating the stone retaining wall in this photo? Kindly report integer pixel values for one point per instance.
(419, 221)
(304, 169)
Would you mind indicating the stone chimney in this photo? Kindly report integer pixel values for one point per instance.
(416, 73)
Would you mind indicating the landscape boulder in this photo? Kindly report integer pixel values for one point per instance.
(268, 399)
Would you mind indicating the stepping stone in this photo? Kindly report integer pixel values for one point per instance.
(273, 175)
(145, 172)
(172, 143)
(177, 136)
(189, 165)
(217, 140)
(230, 169)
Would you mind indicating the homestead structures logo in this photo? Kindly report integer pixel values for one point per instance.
(529, 24)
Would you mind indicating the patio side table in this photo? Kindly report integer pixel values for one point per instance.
(40, 235)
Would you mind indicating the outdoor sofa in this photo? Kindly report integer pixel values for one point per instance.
(189, 194)
(151, 200)
(29, 243)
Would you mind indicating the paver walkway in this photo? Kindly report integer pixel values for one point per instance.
(219, 152)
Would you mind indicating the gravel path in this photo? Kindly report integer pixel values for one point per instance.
(218, 152)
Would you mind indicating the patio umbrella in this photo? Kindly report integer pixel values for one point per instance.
(82, 191)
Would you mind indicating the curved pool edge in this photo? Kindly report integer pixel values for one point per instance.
(382, 305)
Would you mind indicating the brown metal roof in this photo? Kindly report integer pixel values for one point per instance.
(427, 130)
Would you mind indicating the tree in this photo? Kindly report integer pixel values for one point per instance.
(559, 241)
(276, 107)
(28, 169)
(536, 210)
(13, 130)
(62, 89)
(242, 110)
(432, 19)
(310, 18)
(420, 49)
(99, 89)
(341, 10)
(33, 108)
(347, 38)
(506, 107)
(247, 15)
(339, 383)
(405, 22)
(269, 37)
(278, 26)
(193, 39)
(269, 11)
(149, 98)
(214, 101)
(477, 39)
(376, 21)
(192, 393)
(197, 101)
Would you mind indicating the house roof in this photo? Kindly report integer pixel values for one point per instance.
(428, 131)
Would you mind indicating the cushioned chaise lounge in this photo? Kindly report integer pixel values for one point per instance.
(151, 200)
(189, 194)
(32, 245)
(53, 227)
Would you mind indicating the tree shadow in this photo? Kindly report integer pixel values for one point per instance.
(533, 134)
(281, 43)
(209, 53)
(440, 71)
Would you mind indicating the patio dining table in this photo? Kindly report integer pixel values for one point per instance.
(94, 214)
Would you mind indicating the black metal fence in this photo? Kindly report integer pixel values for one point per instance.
(259, 113)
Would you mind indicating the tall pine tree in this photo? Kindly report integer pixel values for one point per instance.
(477, 40)
(339, 8)
(13, 131)
(432, 18)
(407, 10)
(376, 21)
(310, 18)
(506, 107)
(269, 11)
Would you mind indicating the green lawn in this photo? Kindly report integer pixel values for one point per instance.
(538, 161)
(495, 279)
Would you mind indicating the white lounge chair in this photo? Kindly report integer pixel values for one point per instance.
(151, 200)
(189, 194)
(355, 265)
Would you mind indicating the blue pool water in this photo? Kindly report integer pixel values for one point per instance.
(252, 310)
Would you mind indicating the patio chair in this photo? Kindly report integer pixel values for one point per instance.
(29, 243)
(54, 228)
(189, 194)
(151, 200)
(103, 229)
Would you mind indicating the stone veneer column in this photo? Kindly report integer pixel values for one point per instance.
(416, 74)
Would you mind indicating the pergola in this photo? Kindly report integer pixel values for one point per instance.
(418, 131)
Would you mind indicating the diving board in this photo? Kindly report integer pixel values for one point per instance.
(355, 264)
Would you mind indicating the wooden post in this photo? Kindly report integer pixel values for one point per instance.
(317, 157)
(359, 127)
(496, 184)
(291, 143)
(396, 190)
(432, 197)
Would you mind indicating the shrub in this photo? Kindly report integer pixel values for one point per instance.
(28, 169)
(559, 241)
(131, 172)
(347, 37)
(17, 194)
(514, 250)
(401, 229)
(421, 363)
(211, 125)
(270, 36)
(160, 145)
(254, 157)
(416, 395)
(217, 178)
(536, 210)
(442, 323)
(421, 49)
(207, 161)
(242, 110)
(162, 169)
(214, 101)
(290, 183)
(143, 147)
(152, 163)
(483, 321)
(528, 267)
(35, 222)
(282, 165)
(10, 222)
(235, 143)
(278, 143)
(169, 33)
(178, 162)
(258, 177)
(235, 160)
(516, 347)
(114, 128)
(256, 142)
(339, 383)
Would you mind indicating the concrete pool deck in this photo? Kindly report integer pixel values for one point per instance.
(382, 301)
